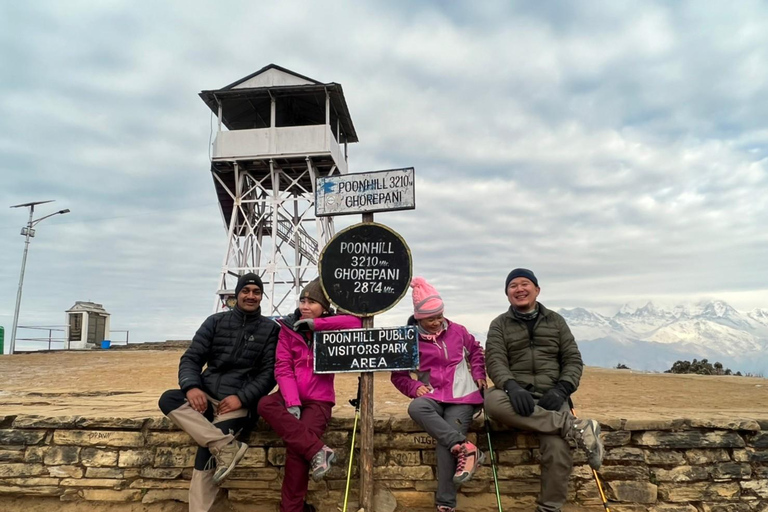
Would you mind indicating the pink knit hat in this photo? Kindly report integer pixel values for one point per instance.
(426, 300)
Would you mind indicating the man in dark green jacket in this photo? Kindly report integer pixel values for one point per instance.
(534, 362)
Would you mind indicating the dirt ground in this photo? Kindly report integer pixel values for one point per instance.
(127, 383)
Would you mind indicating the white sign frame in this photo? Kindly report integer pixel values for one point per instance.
(366, 192)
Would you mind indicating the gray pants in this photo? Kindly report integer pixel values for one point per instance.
(448, 424)
(552, 427)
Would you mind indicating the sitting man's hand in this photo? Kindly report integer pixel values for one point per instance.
(555, 397)
(296, 411)
(197, 399)
(229, 404)
(522, 401)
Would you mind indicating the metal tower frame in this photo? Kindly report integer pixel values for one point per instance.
(283, 131)
(286, 256)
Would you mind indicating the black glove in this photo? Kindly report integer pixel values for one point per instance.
(522, 401)
(555, 397)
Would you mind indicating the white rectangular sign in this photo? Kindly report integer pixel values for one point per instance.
(365, 192)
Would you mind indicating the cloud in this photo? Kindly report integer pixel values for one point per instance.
(617, 149)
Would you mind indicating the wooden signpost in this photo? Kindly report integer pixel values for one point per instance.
(365, 270)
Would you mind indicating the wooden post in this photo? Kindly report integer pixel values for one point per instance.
(366, 425)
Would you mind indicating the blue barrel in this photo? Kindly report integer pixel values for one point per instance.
(106, 343)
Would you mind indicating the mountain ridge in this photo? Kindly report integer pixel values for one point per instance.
(650, 337)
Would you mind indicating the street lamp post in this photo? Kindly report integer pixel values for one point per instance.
(28, 232)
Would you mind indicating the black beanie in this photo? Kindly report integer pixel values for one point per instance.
(249, 278)
(521, 272)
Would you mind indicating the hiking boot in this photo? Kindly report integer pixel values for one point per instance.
(445, 508)
(227, 458)
(587, 436)
(321, 462)
(468, 459)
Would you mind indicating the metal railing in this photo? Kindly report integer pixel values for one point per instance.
(58, 342)
(50, 339)
(122, 342)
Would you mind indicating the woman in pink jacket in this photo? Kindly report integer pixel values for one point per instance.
(447, 391)
(299, 411)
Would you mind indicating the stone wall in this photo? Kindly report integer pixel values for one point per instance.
(657, 466)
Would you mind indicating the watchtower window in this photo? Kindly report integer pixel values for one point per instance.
(299, 111)
(245, 115)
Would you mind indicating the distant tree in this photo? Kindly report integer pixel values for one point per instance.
(622, 366)
(680, 367)
(703, 367)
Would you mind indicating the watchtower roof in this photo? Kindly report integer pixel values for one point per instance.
(246, 102)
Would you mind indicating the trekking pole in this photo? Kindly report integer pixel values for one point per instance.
(355, 402)
(493, 461)
(600, 490)
(597, 481)
(493, 455)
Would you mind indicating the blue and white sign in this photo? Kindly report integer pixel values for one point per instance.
(365, 192)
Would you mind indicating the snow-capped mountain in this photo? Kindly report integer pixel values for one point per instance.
(642, 320)
(653, 338)
(759, 316)
(595, 326)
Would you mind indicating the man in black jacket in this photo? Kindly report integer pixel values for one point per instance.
(215, 404)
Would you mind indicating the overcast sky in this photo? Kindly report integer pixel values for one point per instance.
(618, 149)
